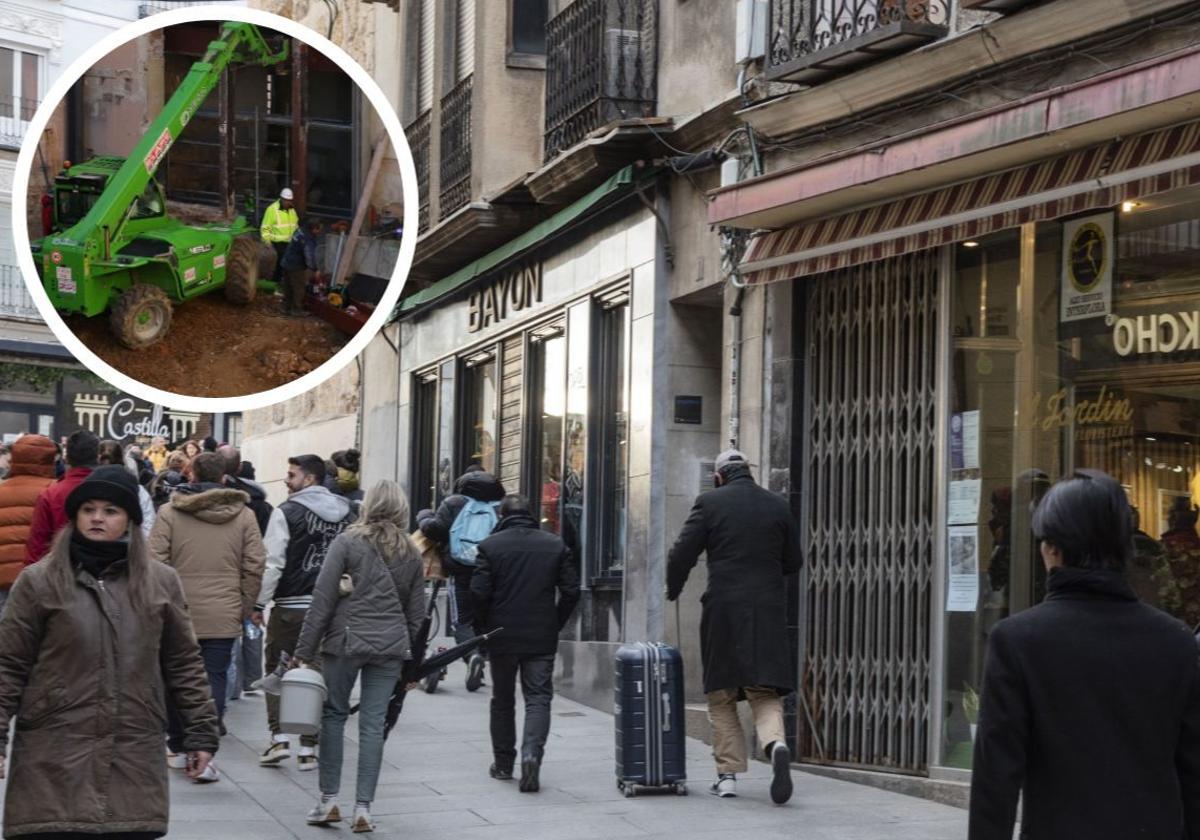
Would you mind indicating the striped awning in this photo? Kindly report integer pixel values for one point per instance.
(1104, 175)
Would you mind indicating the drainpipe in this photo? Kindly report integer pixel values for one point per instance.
(735, 363)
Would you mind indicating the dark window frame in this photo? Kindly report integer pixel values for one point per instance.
(524, 58)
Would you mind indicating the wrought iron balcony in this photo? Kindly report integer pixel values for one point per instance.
(601, 66)
(15, 301)
(418, 141)
(15, 114)
(455, 149)
(812, 40)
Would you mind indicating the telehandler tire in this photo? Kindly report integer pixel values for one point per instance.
(241, 271)
(141, 316)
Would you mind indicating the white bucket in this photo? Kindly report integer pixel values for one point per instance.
(301, 699)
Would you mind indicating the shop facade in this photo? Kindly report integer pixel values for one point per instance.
(958, 350)
(528, 369)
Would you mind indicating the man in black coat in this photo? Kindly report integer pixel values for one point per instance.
(521, 570)
(478, 484)
(752, 545)
(1091, 699)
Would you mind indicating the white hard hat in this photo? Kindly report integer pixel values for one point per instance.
(286, 193)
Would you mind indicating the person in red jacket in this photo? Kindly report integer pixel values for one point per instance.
(50, 511)
(31, 471)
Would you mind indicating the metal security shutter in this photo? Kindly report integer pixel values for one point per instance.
(425, 57)
(512, 386)
(465, 40)
(868, 513)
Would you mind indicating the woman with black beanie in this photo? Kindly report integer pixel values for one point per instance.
(93, 639)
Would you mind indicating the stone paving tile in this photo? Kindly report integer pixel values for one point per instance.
(434, 786)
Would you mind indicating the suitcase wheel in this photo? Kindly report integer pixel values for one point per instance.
(680, 789)
(630, 791)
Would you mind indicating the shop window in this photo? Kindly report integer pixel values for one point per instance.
(1038, 390)
(528, 22)
(479, 412)
(447, 470)
(575, 430)
(613, 417)
(423, 486)
(547, 401)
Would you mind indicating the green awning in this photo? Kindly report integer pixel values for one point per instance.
(621, 183)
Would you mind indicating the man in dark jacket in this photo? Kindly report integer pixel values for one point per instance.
(521, 568)
(298, 535)
(1091, 700)
(752, 545)
(482, 486)
(299, 264)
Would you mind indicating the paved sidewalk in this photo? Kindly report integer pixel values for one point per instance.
(435, 785)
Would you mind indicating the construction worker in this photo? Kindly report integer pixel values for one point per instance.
(279, 224)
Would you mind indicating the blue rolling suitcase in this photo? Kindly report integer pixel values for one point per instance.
(651, 751)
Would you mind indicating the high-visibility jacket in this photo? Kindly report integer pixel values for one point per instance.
(278, 224)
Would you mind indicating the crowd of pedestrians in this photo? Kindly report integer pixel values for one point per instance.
(136, 583)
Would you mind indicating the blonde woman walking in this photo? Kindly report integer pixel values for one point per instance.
(368, 604)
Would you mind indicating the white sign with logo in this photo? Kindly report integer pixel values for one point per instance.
(1088, 259)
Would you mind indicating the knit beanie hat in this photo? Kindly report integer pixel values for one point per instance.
(112, 483)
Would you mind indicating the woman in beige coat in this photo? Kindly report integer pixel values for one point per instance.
(92, 640)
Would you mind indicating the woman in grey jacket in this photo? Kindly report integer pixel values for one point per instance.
(368, 603)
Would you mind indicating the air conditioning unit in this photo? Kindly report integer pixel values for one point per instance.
(751, 31)
(621, 54)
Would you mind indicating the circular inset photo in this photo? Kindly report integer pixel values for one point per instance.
(215, 208)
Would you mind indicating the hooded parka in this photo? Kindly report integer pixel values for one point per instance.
(751, 543)
(91, 675)
(31, 472)
(211, 538)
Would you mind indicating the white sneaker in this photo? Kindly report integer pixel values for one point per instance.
(362, 820)
(274, 754)
(176, 761)
(326, 811)
(306, 759)
(209, 775)
(725, 786)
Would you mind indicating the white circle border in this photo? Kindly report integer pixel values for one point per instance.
(33, 280)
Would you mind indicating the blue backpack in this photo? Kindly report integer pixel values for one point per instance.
(473, 525)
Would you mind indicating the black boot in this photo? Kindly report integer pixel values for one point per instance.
(529, 775)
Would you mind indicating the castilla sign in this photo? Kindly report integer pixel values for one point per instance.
(1164, 332)
(119, 427)
(512, 292)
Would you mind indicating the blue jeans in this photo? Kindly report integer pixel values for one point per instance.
(216, 654)
(378, 682)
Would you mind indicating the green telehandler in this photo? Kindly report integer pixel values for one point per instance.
(114, 248)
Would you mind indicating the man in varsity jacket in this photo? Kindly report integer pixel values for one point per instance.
(298, 535)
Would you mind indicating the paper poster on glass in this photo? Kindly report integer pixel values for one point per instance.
(970, 440)
(1087, 267)
(963, 595)
(964, 501)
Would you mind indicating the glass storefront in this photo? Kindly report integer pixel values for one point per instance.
(547, 405)
(1076, 344)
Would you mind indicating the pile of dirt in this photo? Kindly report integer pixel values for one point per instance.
(219, 349)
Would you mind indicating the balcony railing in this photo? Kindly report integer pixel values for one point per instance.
(418, 141)
(601, 65)
(15, 114)
(812, 40)
(455, 149)
(15, 301)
